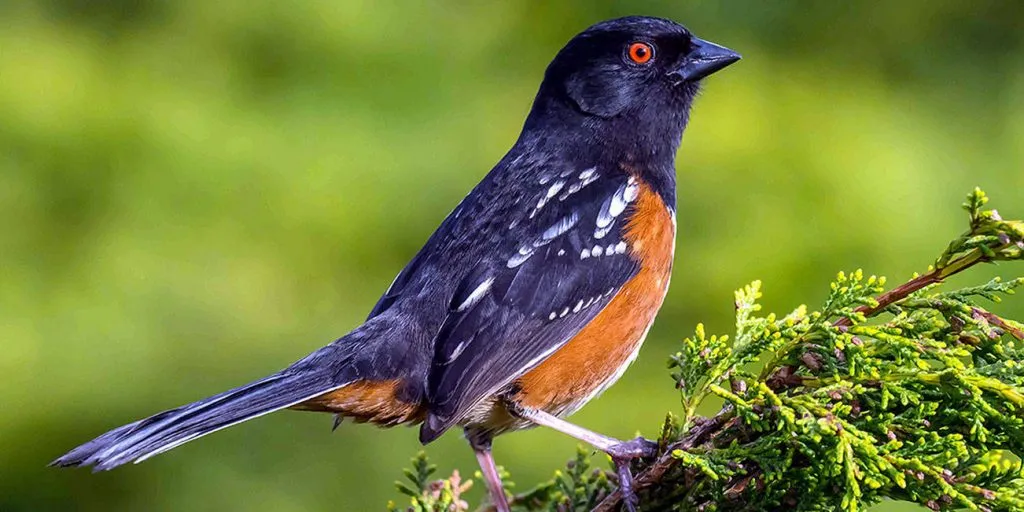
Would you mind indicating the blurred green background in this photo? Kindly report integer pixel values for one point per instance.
(194, 194)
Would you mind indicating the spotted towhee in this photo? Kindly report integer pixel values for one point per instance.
(535, 293)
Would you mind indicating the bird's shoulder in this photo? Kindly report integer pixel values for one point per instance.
(523, 205)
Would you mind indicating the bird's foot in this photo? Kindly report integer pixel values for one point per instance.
(622, 455)
(638, 448)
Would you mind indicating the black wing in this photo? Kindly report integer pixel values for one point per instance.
(534, 294)
(414, 269)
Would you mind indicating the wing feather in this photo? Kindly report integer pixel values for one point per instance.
(541, 290)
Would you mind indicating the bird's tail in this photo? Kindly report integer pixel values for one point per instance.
(156, 434)
(386, 348)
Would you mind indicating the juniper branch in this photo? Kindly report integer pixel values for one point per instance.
(989, 239)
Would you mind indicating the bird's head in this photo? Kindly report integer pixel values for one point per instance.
(637, 69)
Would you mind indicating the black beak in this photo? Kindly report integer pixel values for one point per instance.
(705, 58)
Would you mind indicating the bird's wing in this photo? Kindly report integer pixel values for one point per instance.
(516, 308)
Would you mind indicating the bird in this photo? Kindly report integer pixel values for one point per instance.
(533, 295)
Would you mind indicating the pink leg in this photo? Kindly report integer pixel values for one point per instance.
(621, 452)
(482, 449)
(634, 449)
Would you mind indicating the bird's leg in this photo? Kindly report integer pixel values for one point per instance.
(481, 445)
(621, 452)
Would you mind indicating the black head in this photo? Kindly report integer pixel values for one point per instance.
(637, 70)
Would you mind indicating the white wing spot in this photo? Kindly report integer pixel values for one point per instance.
(584, 254)
(578, 306)
(458, 350)
(561, 252)
(554, 189)
(553, 315)
(596, 251)
(557, 187)
(621, 247)
(558, 228)
(564, 312)
(632, 189)
(476, 295)
(520, 257)
(614, 206)
(585, 178)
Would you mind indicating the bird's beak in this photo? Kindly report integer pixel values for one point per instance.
(705, 58)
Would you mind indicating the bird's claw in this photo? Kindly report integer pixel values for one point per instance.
(638, 448)
(622, 455)
(625, 475)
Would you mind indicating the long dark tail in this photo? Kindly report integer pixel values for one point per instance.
(156, 434)
(386, 347)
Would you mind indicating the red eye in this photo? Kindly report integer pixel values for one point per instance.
(640, 53)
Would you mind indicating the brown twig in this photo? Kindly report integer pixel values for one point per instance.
(999, 322)
(904, 290)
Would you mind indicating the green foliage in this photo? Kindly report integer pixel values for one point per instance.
(578, 487)
(910, 394)
(431, 496)
(906, 408)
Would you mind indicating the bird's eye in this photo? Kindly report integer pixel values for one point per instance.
(640, 53)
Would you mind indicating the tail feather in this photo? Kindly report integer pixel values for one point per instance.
(151, 436)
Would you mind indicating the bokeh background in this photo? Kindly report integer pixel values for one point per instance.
(194, 194)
